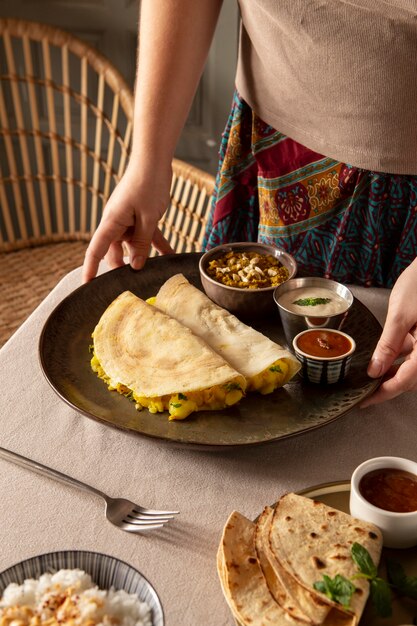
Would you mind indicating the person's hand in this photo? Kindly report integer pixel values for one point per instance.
(398, 338)
(131, 217)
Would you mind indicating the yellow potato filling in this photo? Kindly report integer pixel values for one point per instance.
(179, 405)
(269, 379)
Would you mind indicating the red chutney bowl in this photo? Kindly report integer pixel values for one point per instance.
(325, 354)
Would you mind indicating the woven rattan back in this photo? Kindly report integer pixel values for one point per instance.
(184, 223)
(65, 129)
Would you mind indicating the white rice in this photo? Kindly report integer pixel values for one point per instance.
(71, 595)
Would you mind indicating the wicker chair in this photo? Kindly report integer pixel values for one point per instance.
(183, 224)
(65, 130)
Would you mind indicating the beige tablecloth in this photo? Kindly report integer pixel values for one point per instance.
(39, 515)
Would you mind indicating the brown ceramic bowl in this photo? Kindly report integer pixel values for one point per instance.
(248, 303)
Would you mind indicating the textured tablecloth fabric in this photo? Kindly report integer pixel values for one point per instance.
(39, 515)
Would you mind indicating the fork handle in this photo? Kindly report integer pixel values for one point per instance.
(25, 462)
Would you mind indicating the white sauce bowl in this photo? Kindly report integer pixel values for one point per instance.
(293, 323)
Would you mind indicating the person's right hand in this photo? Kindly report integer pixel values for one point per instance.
(398, 339)
(131, 217)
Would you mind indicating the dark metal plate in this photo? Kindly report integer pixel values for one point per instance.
(297, 408)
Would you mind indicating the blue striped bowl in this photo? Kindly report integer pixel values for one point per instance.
(105, 571)
(317, 369)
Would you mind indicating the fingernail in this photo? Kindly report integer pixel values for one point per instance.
(137, 262)
(375, 368)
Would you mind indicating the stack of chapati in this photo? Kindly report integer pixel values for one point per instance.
(268, 568)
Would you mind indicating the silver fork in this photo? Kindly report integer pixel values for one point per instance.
(121, 512)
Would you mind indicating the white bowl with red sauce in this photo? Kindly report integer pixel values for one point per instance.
(325, 354)
(384, 492)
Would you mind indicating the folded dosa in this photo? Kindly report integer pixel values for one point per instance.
(140, 350)
(265, 364)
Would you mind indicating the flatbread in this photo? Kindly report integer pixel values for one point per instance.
(308, 539)
(241, 578)
(270, 569)
(247, 350)
(153, 354)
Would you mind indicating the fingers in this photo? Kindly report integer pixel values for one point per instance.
(114, 256)
(131, 216)
(408, 345)
(139, 245)
(90, 265)
(104, 243)
(107, 232)
(161, 244)
(405, 379)
(389, 346)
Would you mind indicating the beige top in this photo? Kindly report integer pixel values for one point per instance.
(338, 76)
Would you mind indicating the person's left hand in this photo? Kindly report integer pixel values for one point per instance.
(398, 339)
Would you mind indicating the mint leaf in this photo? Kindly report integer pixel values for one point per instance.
(363, 560)
(381, 597)
(129, 395)
(339, 589)
(406, 585)
(396, 573)
(311, 301)
(379, 589)
(181, 396)
(231, 386)
(275, 368)
(321, 586)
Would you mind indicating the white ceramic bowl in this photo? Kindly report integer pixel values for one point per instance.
(399, 530)
(322, 370)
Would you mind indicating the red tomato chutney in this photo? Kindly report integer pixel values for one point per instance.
(390, 489)
(324, 343)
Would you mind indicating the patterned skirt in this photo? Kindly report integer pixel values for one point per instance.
(338, 221)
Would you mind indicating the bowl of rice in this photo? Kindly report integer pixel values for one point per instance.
(78, 588)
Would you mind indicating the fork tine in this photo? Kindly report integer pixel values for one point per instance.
(143, 522)
(148, 519)
(142, 511)
(152, 514)
(135, 528)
